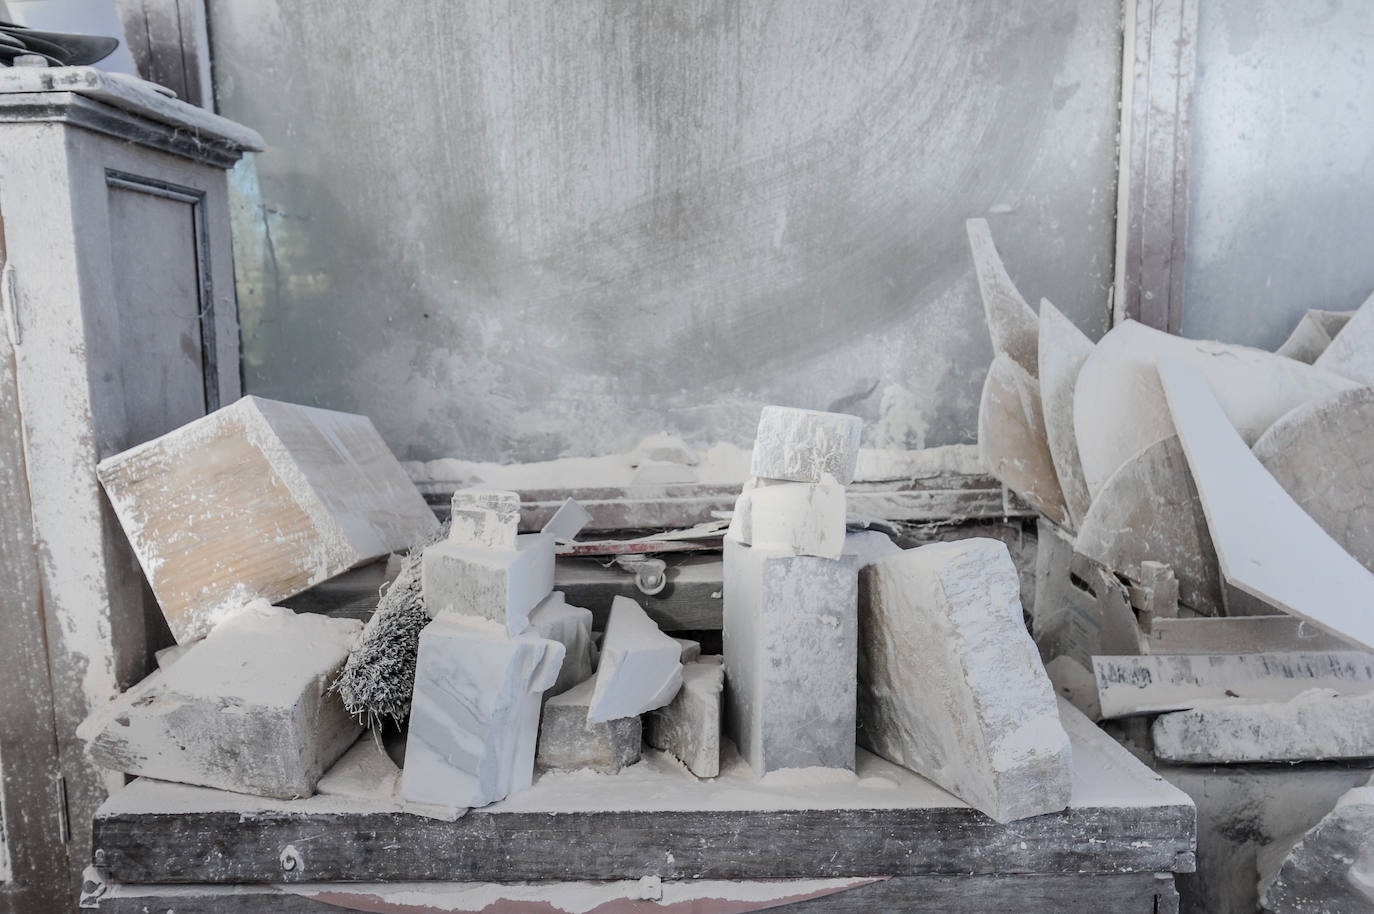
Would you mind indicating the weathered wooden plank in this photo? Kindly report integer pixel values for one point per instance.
(1129, 893)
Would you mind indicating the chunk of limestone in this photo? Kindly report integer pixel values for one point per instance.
(640, 667)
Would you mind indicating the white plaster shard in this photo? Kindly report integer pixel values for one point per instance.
(567, 521)
(1330, 869)
(260, 499)
(1119, 406)
(484, 518)
(640, 667)
(1063, 349)
(571, 626)
(791, 638)
(1267, 545)
(1011, 322)
(1315, 725)
(496, 584)
(1013, 440)
(568, 741)
(1322, 454)
(1149, 510)
(803, 445)
(802, 518)
(1314, 332)
(951, 685)
(247, 709)
(1153, 683)
(474, 719)
(1351, 353)
(688, 728)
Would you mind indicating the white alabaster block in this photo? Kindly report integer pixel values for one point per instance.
(571, 626)
(802, 445)
(801, 518)
(688, 727)
(500, 585)
(640, 667)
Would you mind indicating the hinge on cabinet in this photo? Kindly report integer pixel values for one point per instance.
(64, 822)
(9, 302)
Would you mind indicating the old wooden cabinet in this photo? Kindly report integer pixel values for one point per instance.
(119, 324)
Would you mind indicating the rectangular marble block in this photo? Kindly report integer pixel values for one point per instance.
(1315, 726)
(247, 709)
(474, 718)
(495, 584)
(951, 685)
(791, 640)
(568, 742)
(571, 626)
(802, 445)
(803, 518)
(688, 728)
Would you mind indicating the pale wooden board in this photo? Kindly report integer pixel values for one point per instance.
(1351, 353)
(1063, 349)
(1012, 437)
(1011, 322)
(1119, 408)
(1322, 453)
(1149, 510)
(1239, 635)
(1267, 545)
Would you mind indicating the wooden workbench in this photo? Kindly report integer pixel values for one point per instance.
(880, 840)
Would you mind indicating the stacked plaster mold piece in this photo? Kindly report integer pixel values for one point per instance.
(791, 596)
(499, 640)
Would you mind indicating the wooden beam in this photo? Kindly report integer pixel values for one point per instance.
(1159, 52)
(168, 41)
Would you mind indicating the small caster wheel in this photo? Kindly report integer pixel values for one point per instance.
(651, 576)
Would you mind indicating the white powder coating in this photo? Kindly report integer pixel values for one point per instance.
(950, 682)
(571, 626)
(246, 709)
(803, 445)
(1011, 322)
(1013, 440)
(260, 499)
(640, 667)
(1314, 725)
(1351, 353)
(474, 718)
(1062, 351)
(1119, 407)
(801, 518)
(1161, 682)
(791, 638)
(568, 741)
(496, 584)
(689, 727)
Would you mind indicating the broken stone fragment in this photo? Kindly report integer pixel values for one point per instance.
(1316, 725)
(484, 518)
(1013, 440)
(640, 667)
(791, 637)
(500, 585)
(1351, 353)
(567, 741)
(1330, 870)
(691, 650)
(802, 445)
(247, 709)
(688, 728)
(1011, 322)
(571, 626)
(1063, 349)
(951, 685)
(474, 718)
(802, 518)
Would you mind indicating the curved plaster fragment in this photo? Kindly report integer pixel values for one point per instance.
(1119, 407)
(1011, 322)
(1149, 510)
(1322, 453)
(1011, 437)
(1314, 332)
(1062, 351)
(1351, 353)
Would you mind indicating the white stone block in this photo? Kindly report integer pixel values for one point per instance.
(802, 445)
(800, 518)
(484, 518)
(688, 727)
(1330, 869)
(691, 650)
(951, 685)
(567, 521)
(1316, 725)
(567, 741)
(640, 669)
(474, 718)
(791, 637)
(496, 584)
(571, 626)
(246, 709)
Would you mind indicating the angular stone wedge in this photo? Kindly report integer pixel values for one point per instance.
(1314, 332)
(260, 499)
(1322, 453)
(571, 626)
(247, 709)
(1267, 545)
(640, 667)
(1331, 868)
(1011, 322)
(1351, 353)
(568, 742)
(791, 639)
(1119, 407)
(802, 445)
(688, 728)
(803, 518)
(474, 719)
(496, 584)
(1316, 725)
(1149, 510)
(1012, 437)
(1063, 349)
(951, 685)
